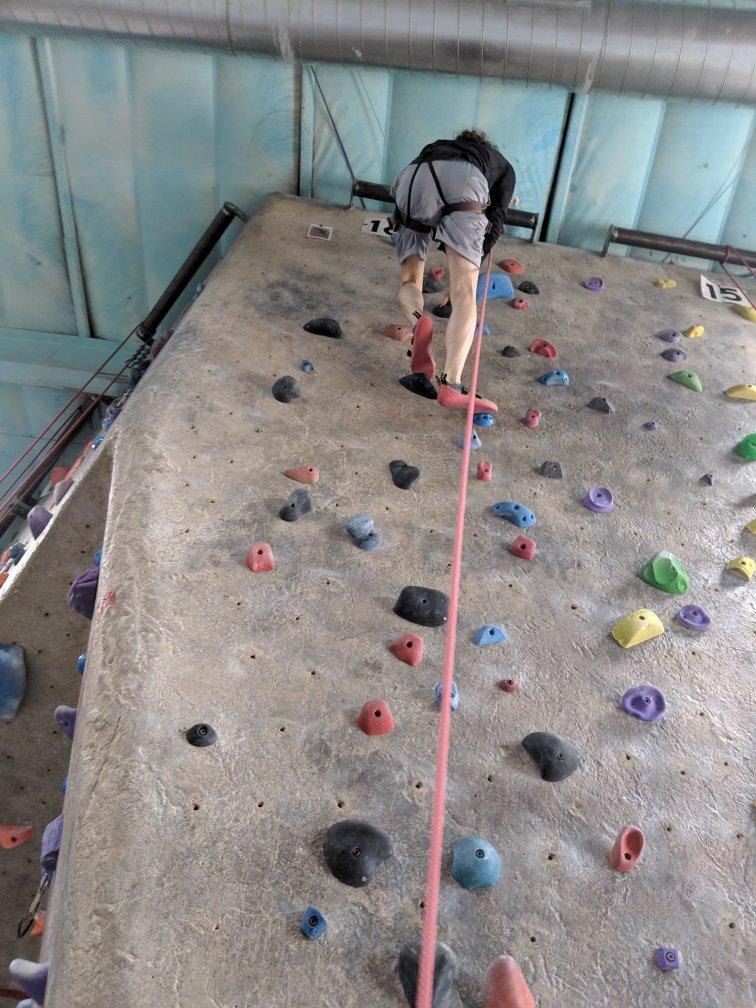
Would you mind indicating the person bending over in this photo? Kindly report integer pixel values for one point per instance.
(456, 192)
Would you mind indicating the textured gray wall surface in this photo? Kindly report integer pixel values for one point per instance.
(184, 871)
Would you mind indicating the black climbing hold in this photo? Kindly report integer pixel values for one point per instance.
(510, 351)
(403, 474)
(527, 287)
(556, 758)
(296, 504)
(420, 385)
(708, 478)
(425, 606)
(431, 285)
(285, 389)
(354, 849)
(324, 327)
(201, 735)
(551, 470)
(601, 405)
(444, 971)
(443, 310)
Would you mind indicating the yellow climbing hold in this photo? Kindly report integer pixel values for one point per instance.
(751, 527)
(665, 283)
(744, 567)
(746, 311)
(742, 392)
(639, 626)
(694, 332)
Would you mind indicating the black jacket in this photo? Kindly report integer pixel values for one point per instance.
(499, 174)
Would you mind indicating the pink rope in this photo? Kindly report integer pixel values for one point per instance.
(729, 250)
(433, 880)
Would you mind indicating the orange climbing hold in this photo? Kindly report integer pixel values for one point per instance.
(401, 333)
(512, 266)
(408, 648)
(505, 986)
(57, 474)
(14, 836)
(38, 926)
(543, 348)
(303, 474)
(627, 849)
(376, 718)
(484, 472)
(260, 558)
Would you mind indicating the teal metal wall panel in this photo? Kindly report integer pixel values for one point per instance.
(740, 225)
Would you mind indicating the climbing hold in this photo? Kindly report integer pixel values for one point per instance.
(499, 286)
(313, 924)
(543, 348)
(751, 526)
(57, 474)
(628, 847)
(354, 849)
(746, 311)
(286, 389)
(513, 512)
(551, 470)
(50, 847)
(15, 551)
(83, 591)
(531, 419)
(486, 329)
(81, 661)
(669, 335)
(645, 702)
(97, 442)
(509, 685)
(63, 786)
(363, 533)
(555, 378)
(475, 863)
(743, 566)
(639, 626)
(474, 441)
(650, 425)
(14, 836)
(38, 518)
(425, 606)
(437, 272)
(97, 558)
(510, 351)
(31, 977)
(687, 378)
(420, 385)
(523, 547)
(601, 405)
(747, 447)
(307, 366)
(398, 332)
(518, 303)
(444, 971)
(38, 926)
(674, 354)
(599, 499)
(665, 283)
(376, 718)
(324, 327)
(594, 284)
(484, 419)
(201, 736)
(742, 392)
(556, 758)
(66, 718)
(12, 680)
(489, 634)
(708, 478)
(61, 489)
(694, 332)
(512, 266)
(296, 504)
(695, 618)
(528, 287)
(260, 558)
(504, 986)
(667, 959)
(408, 648)
(665, 572)
(403, 474)
(431, 285)
(111, 415)
(484, 472)
(438, 692)
(303, 474)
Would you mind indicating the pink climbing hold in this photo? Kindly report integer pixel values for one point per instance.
(519, 303)
(106, 601)
(484, 472)
(57, 474)
(509, 685)
(260, 558)
(523, 547)
(627, 849)
(376, 718)
(505, 986)
(303, 474)
(436, 272)
(543, 348)
(512, 266)
(531, 419)
(395, 331)
(408, 648)
(14, 836)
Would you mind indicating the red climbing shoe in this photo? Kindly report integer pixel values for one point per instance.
(452, 398)
(421, 357)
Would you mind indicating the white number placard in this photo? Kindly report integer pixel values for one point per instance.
(378, 226)
(719, 292)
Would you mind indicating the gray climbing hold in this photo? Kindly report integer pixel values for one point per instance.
(403, 474)
(551, 470)
(363, 533)
(444, 971)
(354, 849)
(425, 606)
(601, 405)
(12, 680)
(296, 504)
(474, 441)
(510, 351)
(431, 285)
(286, 389)
(324, 327)
(555, 757)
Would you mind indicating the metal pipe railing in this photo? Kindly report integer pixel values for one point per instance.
(676, 246)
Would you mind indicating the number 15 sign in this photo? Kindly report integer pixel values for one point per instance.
(378, 226)
(716, 292)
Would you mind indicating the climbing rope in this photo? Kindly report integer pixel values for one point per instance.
(729, 250)
(433, 879)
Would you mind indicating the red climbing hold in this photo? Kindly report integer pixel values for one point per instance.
(260, 558)
(303, 474)
(512, 266)
(484, 472)
(523, 547)
(520, 304)
(505, 986)
(57, 474)
(628, 847)
(14, 836)
(532, 418)
(509, 685)
(543, 348)
(436, 272)
(395, 331)
(106, 601)
(408, 648)
(376, 718)
(5, 556)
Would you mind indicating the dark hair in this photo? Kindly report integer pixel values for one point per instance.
(473, 136)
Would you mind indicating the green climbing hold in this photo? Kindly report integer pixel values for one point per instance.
(687, 378)
(665, 572)
(747, 447)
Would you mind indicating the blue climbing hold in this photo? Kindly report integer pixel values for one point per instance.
(66, 718)
(16, 551)
(63, 786)
(438, 689)
(489, 634)
(97, 441)
(499, 286)
(559, 377)
(111, 415)
(516, 513)
(12, 680)
(307, 366)
(97, 558)
(474, 442)
(313, 924)
(486, 329)
(81, 661)
(475, 863)
(483, 419)
(363, 533)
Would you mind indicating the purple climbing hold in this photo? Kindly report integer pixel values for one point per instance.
(600, 499)
(61, 489)
(650, 425)
(83, 592)
(38, 518)
(31, 977)
(66, 718)
(48, 858)
(693, 617)
(667, 959)
(645, 702)
(594, 284)
(674, 354)
(669, 335)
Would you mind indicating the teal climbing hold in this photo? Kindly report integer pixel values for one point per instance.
(475, 863)
(499, 286)
(489, 634)
(687, 378)
(665, 572)
(559, 377)
(514, 512)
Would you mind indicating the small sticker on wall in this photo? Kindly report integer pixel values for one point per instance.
(719, 292)
(378, 226)
(321, 231)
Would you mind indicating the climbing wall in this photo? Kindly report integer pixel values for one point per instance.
(185, 870)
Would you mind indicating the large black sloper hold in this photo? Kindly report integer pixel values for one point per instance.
(354, 849)
(296, 504)
(324, 327)
(555, 757)
(425, 606)
(286, 389)
(444, 970)
(403, 474)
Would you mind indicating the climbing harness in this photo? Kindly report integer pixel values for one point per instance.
(408, 221)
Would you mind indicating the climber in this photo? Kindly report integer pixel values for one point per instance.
(456, 192)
